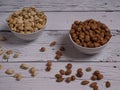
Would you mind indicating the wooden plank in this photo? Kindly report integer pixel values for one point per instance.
(29, 51)
(63, 5)
(46, 80)
(64, 20)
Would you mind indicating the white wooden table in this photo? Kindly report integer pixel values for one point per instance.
(61, 14)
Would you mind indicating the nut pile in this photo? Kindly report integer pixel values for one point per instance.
(67, 72)
(90, 33)
(27, 20)
(95, 76)
(18, 76)
(48, 66)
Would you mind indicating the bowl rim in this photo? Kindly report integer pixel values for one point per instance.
(32, 32)
(88, 47)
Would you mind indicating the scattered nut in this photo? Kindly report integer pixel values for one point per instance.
(88, 69)
(96, 73)
(58, 76)
(53, 43)
(33, 74)
(85, 82)
(5, 56)
(24, 66)
(42, 49)
(0, 66)
(48, 68)
(1, 52)
(62, 72)
(49, 63)
(57, 56)
(73, 77)
(107, 84)
(93, 84)
(95, 87)
(69, 66)
(68, 72)
(3, 38)
(59, 79)
(62, 48)
(100, 76)
(18, 76)
(9, 52)
(9, 71)
(68, 80)
(32, 70)
(80, 74)
(16, 55)
(59, 53)
(79, 70)
(94, 77)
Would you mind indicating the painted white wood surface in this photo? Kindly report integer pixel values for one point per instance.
(61, 14)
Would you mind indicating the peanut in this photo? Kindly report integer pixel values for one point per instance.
(90, 32)
(24, 66)
(9, 71)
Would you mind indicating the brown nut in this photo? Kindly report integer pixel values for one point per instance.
(80, 74)
(100, 76)
(73, 78)
(62, 72)
(69, 66)
(62, 48)
(53, 43)
(68, 80)
(42, 49)
(95, 88)
(88, 69)
(94, 77)
(59, 53)
(84, 82)
(90, 32)
(58, 76)
(58, 56)
(107, 84)
(96, 73)
(59, 79)
(79, 70)
(49, 63)
(68, 72)
(93, 84)
(48, 68)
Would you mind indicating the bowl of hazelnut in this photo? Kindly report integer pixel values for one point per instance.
(28, 23)
(89, 36)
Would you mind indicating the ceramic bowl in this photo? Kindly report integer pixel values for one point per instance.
(87, 50)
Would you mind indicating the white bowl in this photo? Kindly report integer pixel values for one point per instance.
(28, 37)
(87, 50)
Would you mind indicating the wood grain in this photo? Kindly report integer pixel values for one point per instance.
(60, 14)
(63, 5)
(46, 80)
(64, 20)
